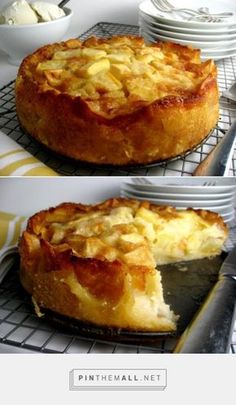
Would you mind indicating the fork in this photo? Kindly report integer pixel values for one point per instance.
(209, 184)
(165, 6)
(142, 181)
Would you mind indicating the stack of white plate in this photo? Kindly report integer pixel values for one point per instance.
(217, 40)
(183, 192)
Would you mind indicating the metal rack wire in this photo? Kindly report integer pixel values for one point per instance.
(20, 328)
(181, 167)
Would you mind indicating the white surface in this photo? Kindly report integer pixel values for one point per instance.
(86, 14)
(25, 196)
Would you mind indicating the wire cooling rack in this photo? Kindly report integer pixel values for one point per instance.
(21, 329)
(181, 167)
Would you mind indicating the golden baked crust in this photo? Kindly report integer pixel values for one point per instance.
(97, 263)
(117, 101)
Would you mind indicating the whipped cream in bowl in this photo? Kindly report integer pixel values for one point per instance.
(26, 26)
(23, 12)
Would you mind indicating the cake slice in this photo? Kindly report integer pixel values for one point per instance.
(98, 263)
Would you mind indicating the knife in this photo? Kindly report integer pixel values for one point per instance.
(211, 328)
(217, 163)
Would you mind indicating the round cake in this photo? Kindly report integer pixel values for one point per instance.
(117, 101)
(98, 263)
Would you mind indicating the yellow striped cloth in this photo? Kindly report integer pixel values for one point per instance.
(11, 227)
(15, 161)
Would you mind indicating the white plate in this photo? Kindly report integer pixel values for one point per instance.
(229, 219)
(160, 24)
(231, 48)
(179, 196)
(204, 56)
(189, 30)
(230, 215)
(217, 6)
(224, 212)
(224, 208)
(184, 35)
(217, 56)
(184, 203)
(222, 47)
(186, 185)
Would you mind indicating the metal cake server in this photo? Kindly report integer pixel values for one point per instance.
(215, 315)
(217, 163)
(230, 93)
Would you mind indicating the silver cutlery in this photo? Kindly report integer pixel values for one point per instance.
(142, 181)
(209, 183)
(217, 163)
(203, 13)
(230, 93)
(215, 315)
(63, 3)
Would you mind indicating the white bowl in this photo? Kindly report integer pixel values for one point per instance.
(18, 41)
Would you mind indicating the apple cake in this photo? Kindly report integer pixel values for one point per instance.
(97, 263)
(117, 101)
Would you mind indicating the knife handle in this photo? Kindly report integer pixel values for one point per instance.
(213, 319)
(217, 163)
